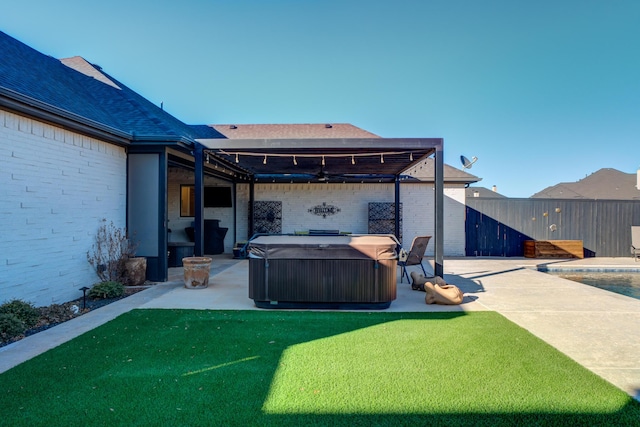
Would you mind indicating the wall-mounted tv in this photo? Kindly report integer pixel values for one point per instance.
(214, 197)
(217, 197)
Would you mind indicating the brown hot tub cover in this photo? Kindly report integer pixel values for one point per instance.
(323, 247)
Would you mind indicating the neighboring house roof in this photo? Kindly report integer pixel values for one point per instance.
(606, 183)
(76, 89)
(483, 193)
(293, 131)
(79, 64)
(425, 171)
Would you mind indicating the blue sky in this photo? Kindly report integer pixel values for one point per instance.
(541, 92)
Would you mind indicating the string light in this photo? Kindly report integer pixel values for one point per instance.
(323, 157)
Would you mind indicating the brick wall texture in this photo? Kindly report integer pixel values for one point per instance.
(352, 200)
(56, 187)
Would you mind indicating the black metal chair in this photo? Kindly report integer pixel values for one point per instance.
(415, 255)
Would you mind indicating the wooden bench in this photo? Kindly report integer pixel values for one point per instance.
(553, 249)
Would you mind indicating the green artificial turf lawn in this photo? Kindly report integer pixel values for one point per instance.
(201, 368)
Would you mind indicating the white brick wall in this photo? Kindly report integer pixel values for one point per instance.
(56, 187)
(418, 216)
(353, 200)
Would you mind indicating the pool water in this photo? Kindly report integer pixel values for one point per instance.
(620, 282)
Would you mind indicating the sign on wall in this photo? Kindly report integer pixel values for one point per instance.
(324, 210)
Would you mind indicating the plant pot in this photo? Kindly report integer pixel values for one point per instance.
(136, 271)
(196, 272)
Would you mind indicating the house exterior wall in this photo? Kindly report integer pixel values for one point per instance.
(418, 216)
(353, 201)
(57, 186)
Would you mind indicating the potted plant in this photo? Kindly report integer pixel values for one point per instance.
(135, 269)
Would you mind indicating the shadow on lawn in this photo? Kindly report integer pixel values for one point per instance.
(189, 367)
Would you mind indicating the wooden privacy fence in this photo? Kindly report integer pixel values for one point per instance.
(499, 227)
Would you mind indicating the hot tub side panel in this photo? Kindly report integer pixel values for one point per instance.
(322, 280)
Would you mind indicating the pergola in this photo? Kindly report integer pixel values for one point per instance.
(349, 160)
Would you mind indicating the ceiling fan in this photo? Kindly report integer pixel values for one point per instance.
(322, 175)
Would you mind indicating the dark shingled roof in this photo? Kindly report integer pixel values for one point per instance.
(604, 184)
(75, 86)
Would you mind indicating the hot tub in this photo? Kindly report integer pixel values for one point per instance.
(323, 271)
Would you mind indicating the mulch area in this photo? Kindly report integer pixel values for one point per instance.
(56, 314)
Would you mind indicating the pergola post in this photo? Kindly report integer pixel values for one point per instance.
(397, 207)
(198, 187)
(252, 192)
(438, 267)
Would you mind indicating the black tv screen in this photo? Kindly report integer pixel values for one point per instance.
(217, 197)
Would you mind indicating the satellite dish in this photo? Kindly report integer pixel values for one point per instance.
(466, 163)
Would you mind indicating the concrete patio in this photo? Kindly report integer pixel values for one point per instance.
(598, 329)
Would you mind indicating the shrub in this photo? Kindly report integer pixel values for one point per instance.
(24, 311)
(10, 326)
(57, 313)
(109, 289)
(110, 250)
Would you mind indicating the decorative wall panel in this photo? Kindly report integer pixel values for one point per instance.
(382, 216)
(267, 217)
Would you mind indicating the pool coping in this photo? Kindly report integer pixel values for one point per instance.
(593, 269)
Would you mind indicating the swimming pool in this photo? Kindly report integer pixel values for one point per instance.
(621, 282)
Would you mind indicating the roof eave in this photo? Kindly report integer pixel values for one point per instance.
(21, 104)
(163, 140)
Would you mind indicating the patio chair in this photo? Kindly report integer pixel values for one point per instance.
(415, 255)
(635, 241)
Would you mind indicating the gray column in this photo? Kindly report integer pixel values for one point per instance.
(439, 212)
(198, 220)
